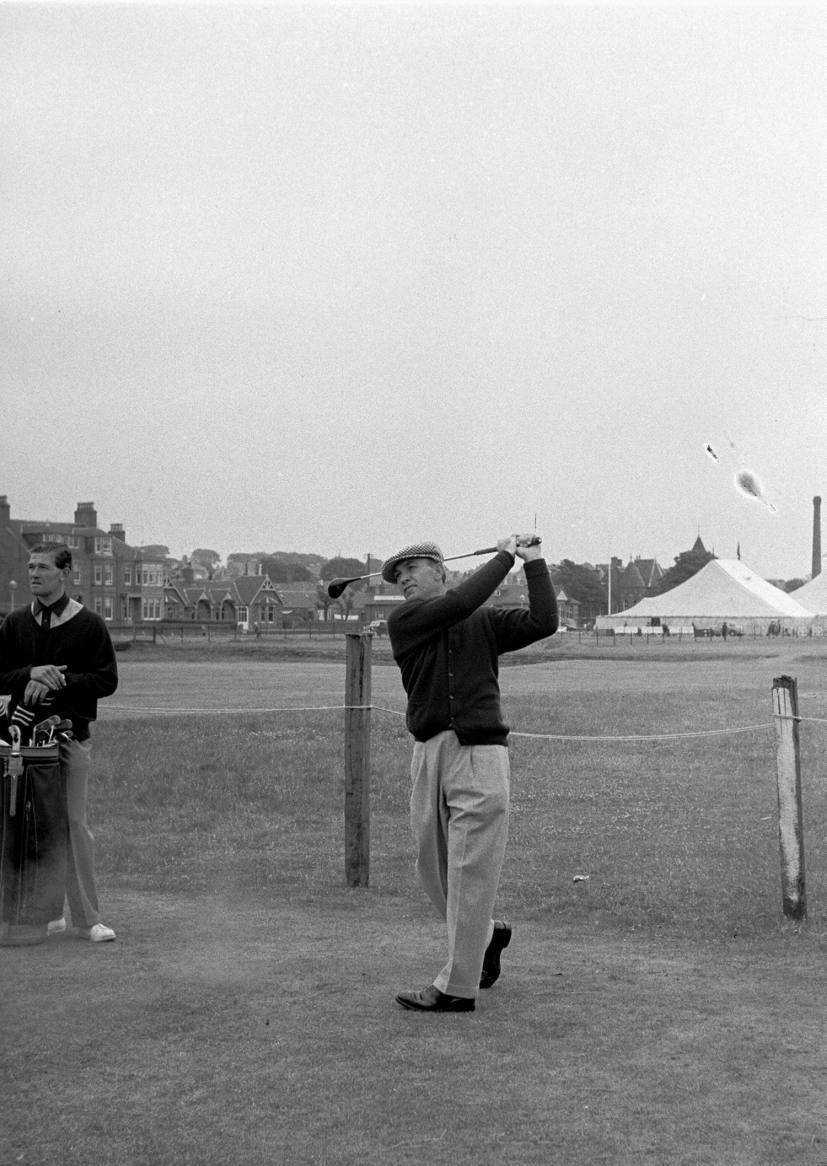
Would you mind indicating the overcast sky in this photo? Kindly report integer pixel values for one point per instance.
(336, 279)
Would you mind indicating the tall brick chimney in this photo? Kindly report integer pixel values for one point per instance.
(816, 536)
(116, 530)
(86, 514)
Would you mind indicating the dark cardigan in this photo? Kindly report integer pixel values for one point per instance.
(447, 649)
(82, 643)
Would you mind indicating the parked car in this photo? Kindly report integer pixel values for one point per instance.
(379, 627)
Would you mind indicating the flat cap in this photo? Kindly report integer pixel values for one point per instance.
(416, 551)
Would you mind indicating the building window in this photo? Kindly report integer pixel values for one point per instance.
(99, 606)
(127, 576)
(107, 574)
(98, 576)
(107, 608)
(103, 546)
(77, 576)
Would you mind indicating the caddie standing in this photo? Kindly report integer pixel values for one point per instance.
(57, 657)
(447, 646)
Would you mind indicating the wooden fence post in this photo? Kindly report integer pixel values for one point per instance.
(357, 758)
(790, 814)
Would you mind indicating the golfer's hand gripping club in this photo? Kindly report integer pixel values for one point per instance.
(517, 544)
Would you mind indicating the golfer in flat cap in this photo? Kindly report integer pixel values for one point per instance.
(447, 645)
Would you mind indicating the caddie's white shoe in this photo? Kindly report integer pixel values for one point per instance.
(98, 933)
(56, 926)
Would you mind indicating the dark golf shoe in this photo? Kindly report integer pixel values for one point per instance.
(430, 999)
(491, 960)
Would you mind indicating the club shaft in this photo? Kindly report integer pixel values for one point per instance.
(338, 585)
(448, 559)
(483, 551)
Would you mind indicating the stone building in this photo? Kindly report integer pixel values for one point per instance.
(120, 582)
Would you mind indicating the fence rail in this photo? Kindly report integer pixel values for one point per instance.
(180, 631)
(788, 763)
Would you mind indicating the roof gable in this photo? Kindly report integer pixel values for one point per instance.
(632, 578)
(650, 570)
(297, 597)
(248, 588)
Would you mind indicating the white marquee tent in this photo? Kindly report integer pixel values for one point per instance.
(814, 596)
(724, 591)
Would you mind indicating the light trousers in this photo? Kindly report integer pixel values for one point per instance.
(459, 819)
(81, 895)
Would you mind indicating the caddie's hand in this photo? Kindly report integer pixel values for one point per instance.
(526, 549)
(36, 693)
(49, 675)
(508, 544)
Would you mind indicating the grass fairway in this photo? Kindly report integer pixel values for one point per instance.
(658, 1010)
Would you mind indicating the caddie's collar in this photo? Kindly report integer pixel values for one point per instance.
(55, 608)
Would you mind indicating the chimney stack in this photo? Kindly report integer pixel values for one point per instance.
(86, 515)
(816, 536)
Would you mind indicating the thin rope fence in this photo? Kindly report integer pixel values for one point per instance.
(686, 735)
(226, 711)
(357, 706)
(643, 736)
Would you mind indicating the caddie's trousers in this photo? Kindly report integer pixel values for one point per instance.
(459, 819)
(81, 895)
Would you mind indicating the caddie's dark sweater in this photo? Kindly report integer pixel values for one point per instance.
(447, 649)
(82, 643)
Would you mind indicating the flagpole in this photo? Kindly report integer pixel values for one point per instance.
(610, 586)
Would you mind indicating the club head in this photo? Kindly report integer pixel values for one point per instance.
(336, 587)
(49, 723)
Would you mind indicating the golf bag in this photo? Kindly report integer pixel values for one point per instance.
(33, 840)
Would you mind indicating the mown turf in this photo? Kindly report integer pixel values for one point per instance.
(657, 1010)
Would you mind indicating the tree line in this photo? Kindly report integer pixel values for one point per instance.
(582, 582)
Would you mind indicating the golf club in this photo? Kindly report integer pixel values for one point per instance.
(337, 586)
(44, 729)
